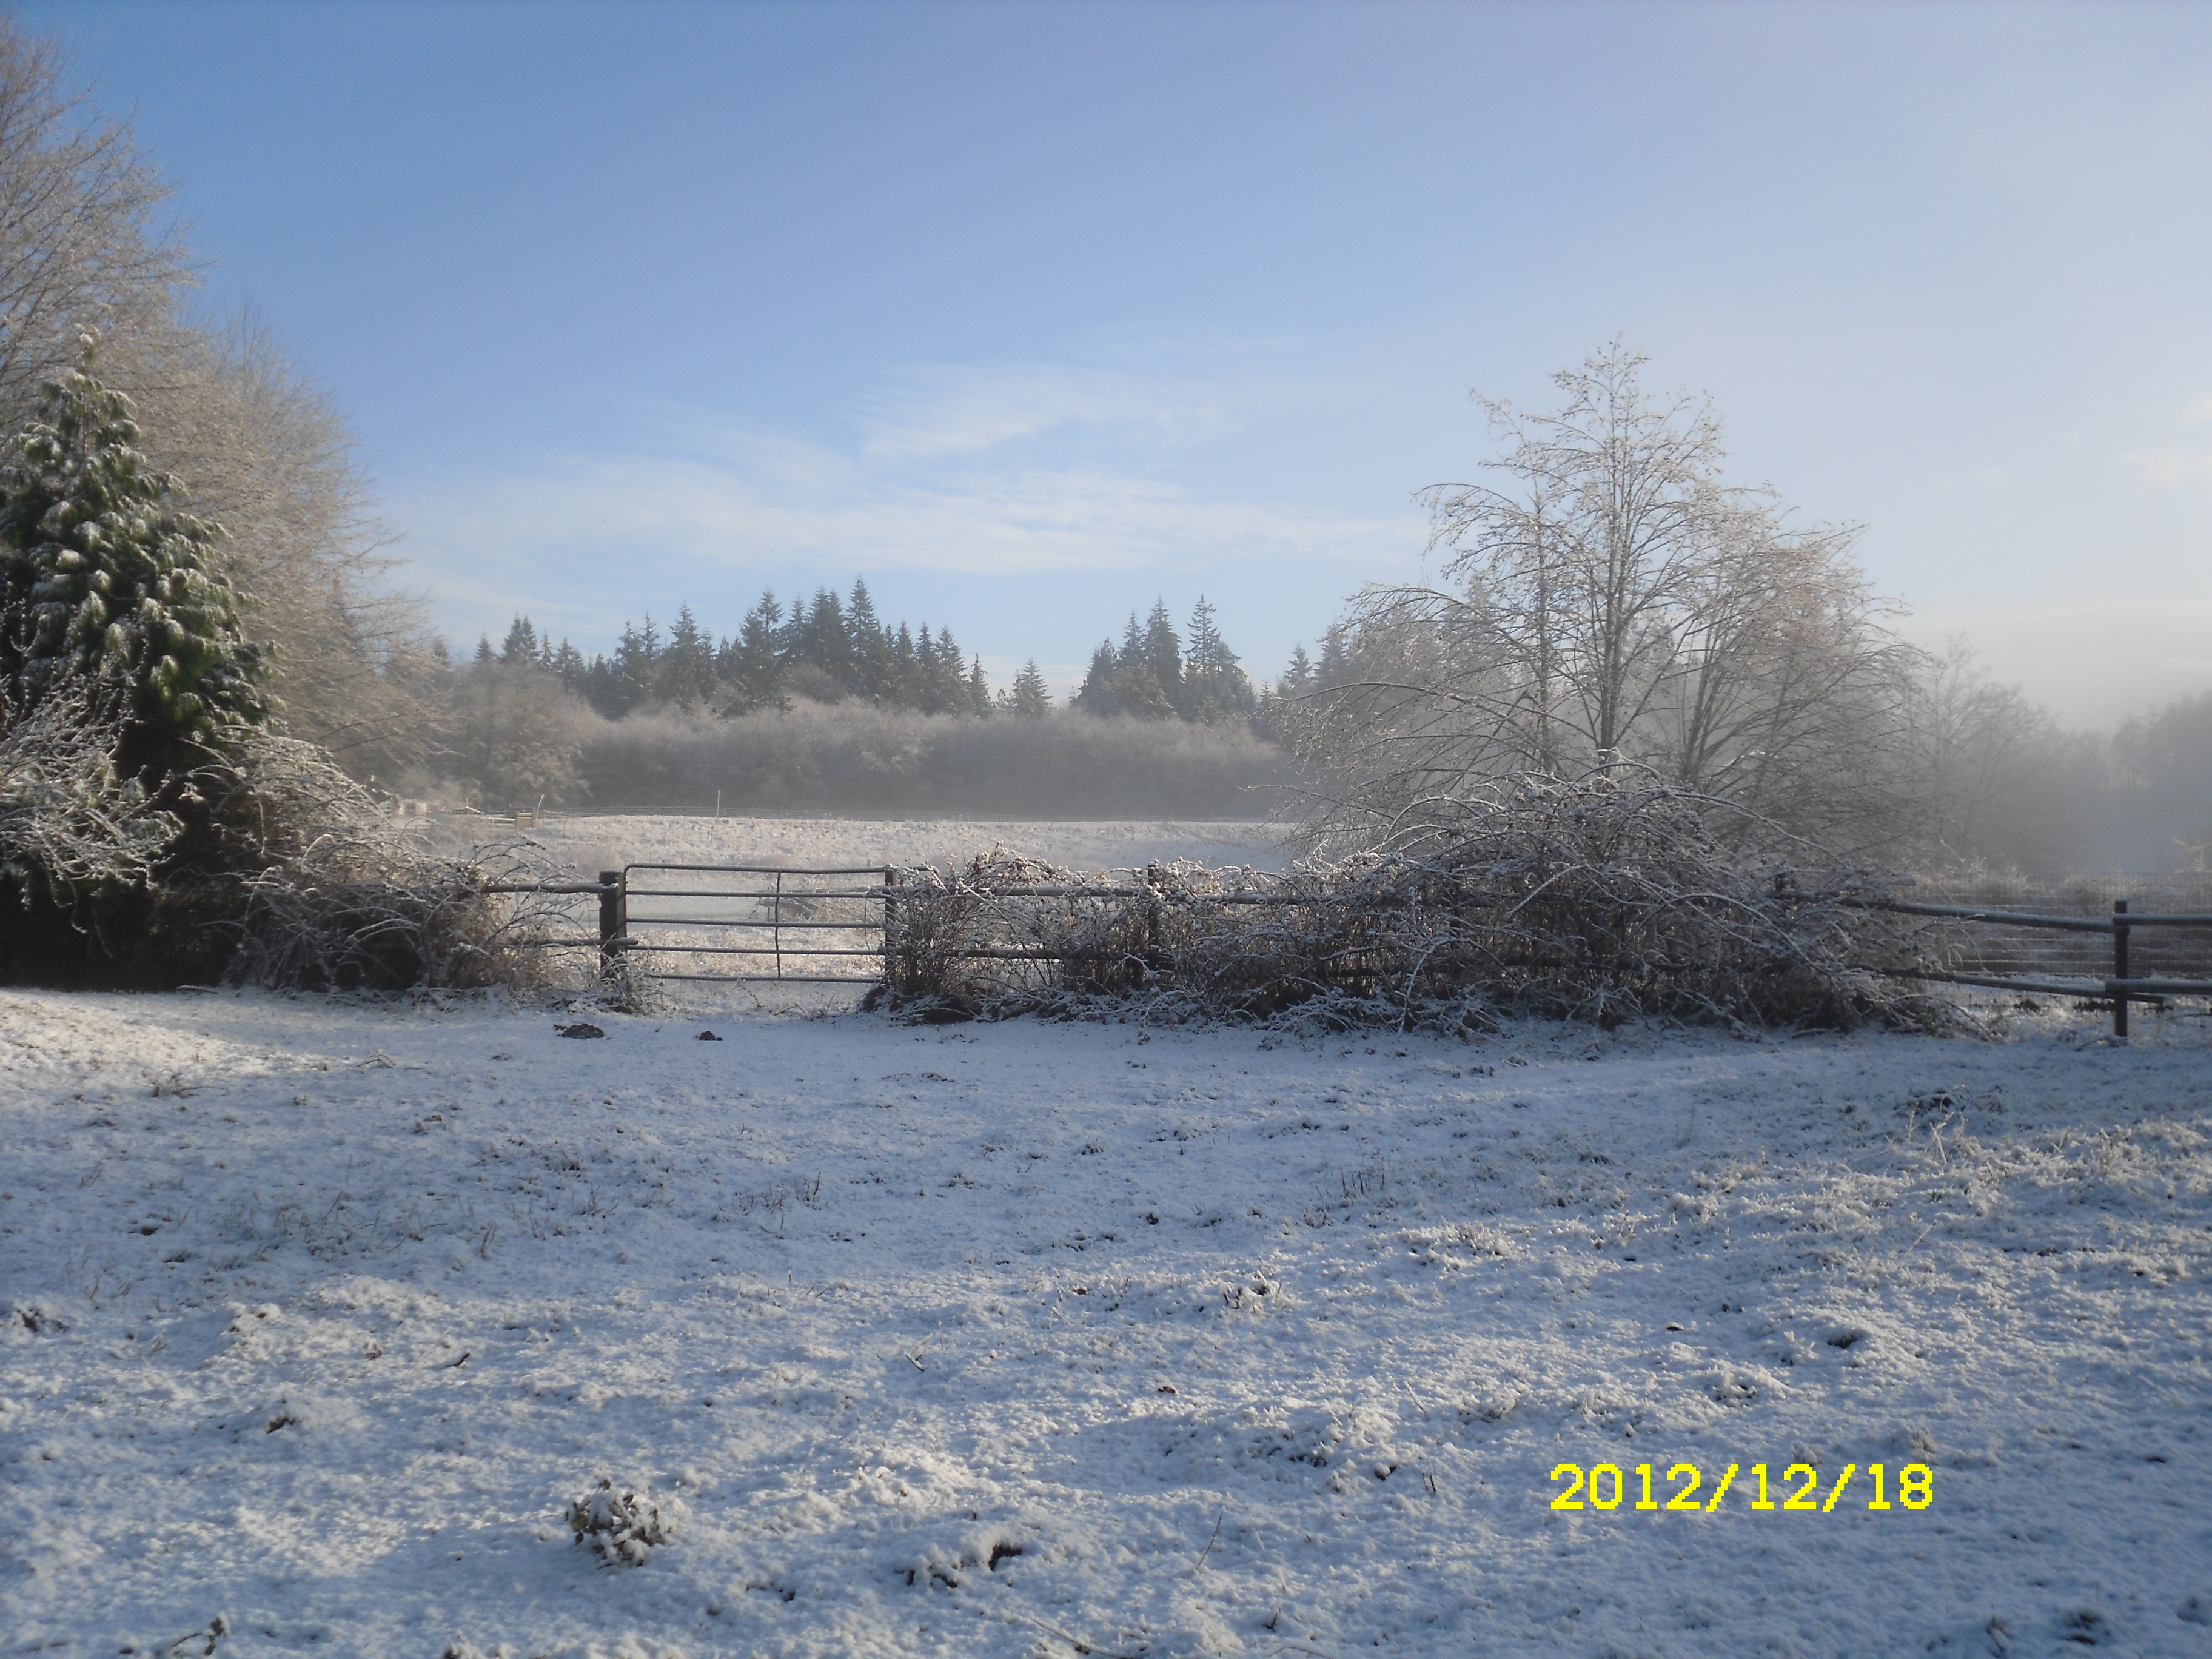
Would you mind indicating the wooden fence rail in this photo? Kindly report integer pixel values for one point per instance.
(2119, 987)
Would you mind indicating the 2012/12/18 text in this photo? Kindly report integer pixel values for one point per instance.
(1916, 1487)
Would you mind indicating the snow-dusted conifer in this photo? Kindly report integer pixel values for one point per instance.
(104, 576)
(1095, 694)
(1029, 699)
(685, 672)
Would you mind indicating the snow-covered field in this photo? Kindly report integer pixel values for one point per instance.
(587, 844)
(1031, 1339)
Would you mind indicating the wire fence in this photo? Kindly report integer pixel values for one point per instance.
(2000, 949)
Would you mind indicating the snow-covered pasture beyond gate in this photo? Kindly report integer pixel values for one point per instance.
(997, 1340)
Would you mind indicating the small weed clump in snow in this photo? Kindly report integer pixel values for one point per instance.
(622, 1529)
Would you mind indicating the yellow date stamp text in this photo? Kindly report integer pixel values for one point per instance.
(1606, 1487)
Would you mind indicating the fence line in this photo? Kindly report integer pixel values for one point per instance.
(2120, 986)
(791, 907)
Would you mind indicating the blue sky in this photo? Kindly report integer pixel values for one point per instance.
(1030, 313)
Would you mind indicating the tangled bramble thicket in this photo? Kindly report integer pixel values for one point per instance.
(69, 818)
(1590, 898)
(332, 895)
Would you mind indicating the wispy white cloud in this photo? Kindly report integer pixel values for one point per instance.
(950, 410)
(2170, 467)
(776, 504)
(1020, 469)
(2199, 410)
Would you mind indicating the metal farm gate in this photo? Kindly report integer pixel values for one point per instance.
(735, 923)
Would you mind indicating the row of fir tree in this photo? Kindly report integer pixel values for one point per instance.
(833, 649)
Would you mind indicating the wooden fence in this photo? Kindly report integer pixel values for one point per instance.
(2120, 987)
(816, 924)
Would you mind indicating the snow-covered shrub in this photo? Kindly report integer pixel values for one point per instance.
(627, 986)
(71, 823)
(318, 890)
(622, 1529)
(1601, 898)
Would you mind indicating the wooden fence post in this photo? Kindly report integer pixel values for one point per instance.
(890, 922)
(614, 921)
(2119, 966)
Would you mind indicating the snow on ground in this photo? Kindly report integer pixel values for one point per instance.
(587, 844)
(1001, 1340)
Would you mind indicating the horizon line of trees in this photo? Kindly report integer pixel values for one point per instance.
(834, 650)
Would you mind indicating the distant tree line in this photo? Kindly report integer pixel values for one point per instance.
(1156, 674)
(831, 650)
(834, 650)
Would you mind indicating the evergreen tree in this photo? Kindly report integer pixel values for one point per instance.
(1029, 699)
(904, 677)
(943, 675)
(567, 663)
(521, 644)
(1095, 694)
(979, 691)
(870, 646)
(1335, 668)
(684, 675)
(1215, 685)
(928, 674)
(103, 574)
(1137, 688)
(1298, 678)
(753, 670)
(632, 673)
(822, 640)
(600, 689)
(1164, 654)
(1207, 650)
(1132, 643)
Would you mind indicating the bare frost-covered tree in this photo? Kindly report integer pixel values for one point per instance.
(1607, 596)
(270, 458)
(80, 247)
(1981, 761)
(517, 734)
